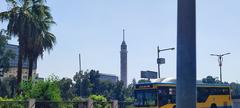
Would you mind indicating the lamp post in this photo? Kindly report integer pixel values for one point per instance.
(161, 60)
(220, 60)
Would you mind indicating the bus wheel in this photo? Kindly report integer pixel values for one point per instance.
(213, 106)
(174, 106)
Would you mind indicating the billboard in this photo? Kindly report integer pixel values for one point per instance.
(149, 74)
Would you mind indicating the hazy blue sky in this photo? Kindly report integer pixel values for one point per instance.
(94, 29)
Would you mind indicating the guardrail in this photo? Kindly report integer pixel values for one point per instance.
(32, 103)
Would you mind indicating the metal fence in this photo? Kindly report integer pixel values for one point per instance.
(64, 104)
(60, 104)
(125, 105)
(13, 104)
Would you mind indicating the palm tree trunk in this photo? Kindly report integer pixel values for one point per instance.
(19, 71)
(30, 69)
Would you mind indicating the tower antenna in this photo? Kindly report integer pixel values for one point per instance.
(80, 64)
(123, 34)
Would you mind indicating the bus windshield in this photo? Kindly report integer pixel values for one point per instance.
(167, 95)
(145, 98)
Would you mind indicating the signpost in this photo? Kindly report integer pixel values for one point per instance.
(149, 74)
(161, 60)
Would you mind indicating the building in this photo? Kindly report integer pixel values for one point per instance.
(13, 64)
(123, 60)
(108, 77)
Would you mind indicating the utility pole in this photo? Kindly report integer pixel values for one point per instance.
(186, 54)
(220, 60)
(161, 60)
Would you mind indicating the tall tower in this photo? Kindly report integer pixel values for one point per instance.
(123, 60)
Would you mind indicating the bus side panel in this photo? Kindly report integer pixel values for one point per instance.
(222, 101)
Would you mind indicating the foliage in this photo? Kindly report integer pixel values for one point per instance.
(106, 89)
(41, 90)
(30, 21)
(77, 98)
(129, 92)
(8, 87)
(54, 89)
(95, 81)
(88, 83)
(66, 88)
(98, 98)
(78, 79)
(5, 103)
(41, 39)
(235, 87)
(100, 101)
(84, 84)
(118, 91)
(143, 81)
(129, 100)
(210, 79)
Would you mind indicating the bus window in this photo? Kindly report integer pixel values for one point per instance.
(139, 96)
(167, 95)
(204, 92)
(145, 98)
(150, 99)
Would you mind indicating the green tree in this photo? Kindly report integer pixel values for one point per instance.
(100, 101)
(129, 91)
(41, 39)
(83, 84)
(66, 88)
(19, 24)
(143, 81)
(30, 21)
(95, 81)
(42, 90)
(3, 89)
(235, 87)
(78, 77)
(118, 91)
(106, 89)
(8, 87)
(210, 79)
(86, 86)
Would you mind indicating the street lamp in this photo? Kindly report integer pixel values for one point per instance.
(161, 60)
(220, 60)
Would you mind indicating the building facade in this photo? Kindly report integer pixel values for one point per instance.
(108, 77)
(13, 64)
(123, 61)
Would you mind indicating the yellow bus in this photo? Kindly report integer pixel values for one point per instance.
(163, 95)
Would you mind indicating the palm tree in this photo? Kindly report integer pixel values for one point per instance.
(41, 39)
(30, 21)
(18, 18)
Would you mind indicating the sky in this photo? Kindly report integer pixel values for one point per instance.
(94, 29)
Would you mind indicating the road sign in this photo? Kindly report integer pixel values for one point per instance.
(161, 60)
(149, 74)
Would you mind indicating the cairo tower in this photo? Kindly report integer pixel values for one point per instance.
(123, 60)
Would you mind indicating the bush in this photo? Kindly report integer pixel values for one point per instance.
(11, 103)
(47, 90)
(99, 101)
